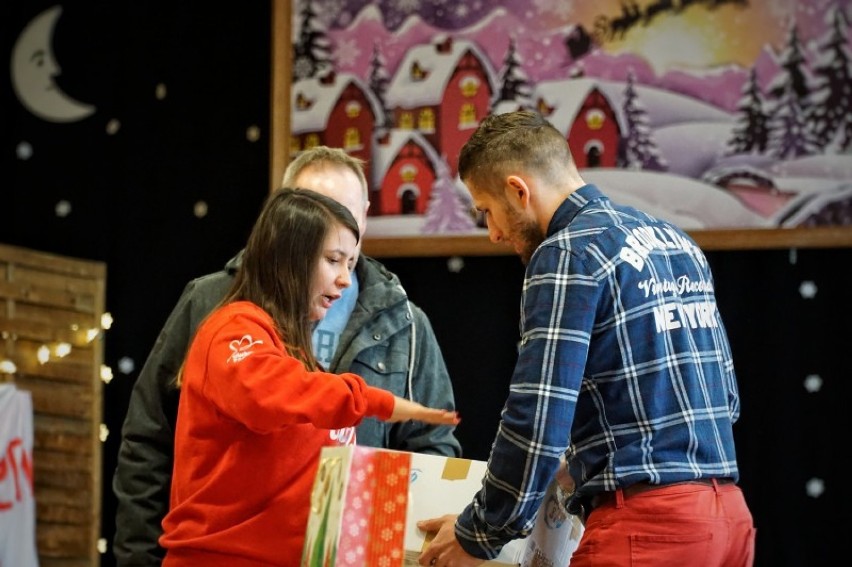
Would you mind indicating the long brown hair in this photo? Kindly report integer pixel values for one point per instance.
(280, 260)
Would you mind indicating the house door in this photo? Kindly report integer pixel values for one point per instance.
(408, 202)
(593, 157)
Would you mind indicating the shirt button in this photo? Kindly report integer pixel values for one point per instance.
(377, 337)
(381, 366)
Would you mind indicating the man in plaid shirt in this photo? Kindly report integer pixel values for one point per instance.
(624, 369)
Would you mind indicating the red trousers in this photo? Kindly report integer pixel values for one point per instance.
(680, 525)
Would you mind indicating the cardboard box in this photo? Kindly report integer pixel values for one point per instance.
(366, 502)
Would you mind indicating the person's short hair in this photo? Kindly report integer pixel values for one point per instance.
(324, 156)
(521, 141)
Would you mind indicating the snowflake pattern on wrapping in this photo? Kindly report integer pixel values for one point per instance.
(374, 517)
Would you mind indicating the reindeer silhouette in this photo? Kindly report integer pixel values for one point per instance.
(630, 15)
(657, 8)
(608, 29)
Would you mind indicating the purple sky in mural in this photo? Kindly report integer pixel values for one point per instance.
(707, 53)
(446, 14)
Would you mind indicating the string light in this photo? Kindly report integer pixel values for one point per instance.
(43, 354)
(61, 350)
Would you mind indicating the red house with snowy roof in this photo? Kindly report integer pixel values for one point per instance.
(579, 109)
(442, 90)
(404, 170)
(335, 110)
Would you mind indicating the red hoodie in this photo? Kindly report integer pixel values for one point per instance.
(251, 422)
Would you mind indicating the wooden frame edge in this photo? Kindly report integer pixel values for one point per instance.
(708, 240)
(279, 136)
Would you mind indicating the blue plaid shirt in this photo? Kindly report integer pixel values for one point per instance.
(624, 366)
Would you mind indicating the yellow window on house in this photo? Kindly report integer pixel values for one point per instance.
(467, 115)
(426, 121)
(406, 121)
(352, 138)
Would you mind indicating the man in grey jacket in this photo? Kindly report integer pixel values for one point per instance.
(379, 335)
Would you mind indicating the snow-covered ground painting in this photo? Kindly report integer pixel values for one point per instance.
(710, 113)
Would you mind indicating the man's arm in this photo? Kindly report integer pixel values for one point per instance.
(430, 386)
(142, 478)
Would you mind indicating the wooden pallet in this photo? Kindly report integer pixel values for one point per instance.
(45, 300)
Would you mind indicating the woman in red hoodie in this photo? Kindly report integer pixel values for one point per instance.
(256, 408)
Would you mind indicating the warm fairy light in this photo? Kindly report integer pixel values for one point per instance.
(62, 349)
(43, 354)
(7, 367)
(106, 321)
(106, 374)
(92, 334)
(103, 433)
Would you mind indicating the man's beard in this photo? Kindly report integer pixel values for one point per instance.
(527, 233)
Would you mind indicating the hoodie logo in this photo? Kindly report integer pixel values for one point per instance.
(345, 436)
(241, 349)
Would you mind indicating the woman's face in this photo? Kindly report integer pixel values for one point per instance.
(334, 270)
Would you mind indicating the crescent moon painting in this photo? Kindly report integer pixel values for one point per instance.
(33, 69)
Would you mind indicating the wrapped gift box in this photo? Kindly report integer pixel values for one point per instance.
(366, 502)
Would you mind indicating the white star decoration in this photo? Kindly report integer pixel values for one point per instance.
(113, 126)
(808, 289)
(455, 264)
(813, 383)
(24, 151)
(126, 365)
(200, 209)
(63, 208)
(815, 487)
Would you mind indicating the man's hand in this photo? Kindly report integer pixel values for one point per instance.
(566, 482)
(444, 550)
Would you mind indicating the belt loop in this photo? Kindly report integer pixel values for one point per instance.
(715, 485)
(619, 498)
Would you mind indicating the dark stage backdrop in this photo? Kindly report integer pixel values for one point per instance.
(163, 180)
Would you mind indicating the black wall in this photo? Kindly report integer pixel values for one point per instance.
(133, 192)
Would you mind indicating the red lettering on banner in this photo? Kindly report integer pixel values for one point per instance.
(16, 462)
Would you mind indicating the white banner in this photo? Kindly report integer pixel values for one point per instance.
(17, 497)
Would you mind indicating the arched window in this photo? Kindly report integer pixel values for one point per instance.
(426, 120)
(467, 115)
(352, 138)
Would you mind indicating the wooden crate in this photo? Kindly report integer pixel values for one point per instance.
(46, 299)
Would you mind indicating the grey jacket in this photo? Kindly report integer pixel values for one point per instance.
(379, 343)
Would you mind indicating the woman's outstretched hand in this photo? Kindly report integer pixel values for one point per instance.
(404, 410)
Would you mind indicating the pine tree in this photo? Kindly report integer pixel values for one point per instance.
(312, 51)
(446, 211)
(638, 149)
(789, 134)
(515, 86)
(831, 114)
(379, 80)
(749, 132)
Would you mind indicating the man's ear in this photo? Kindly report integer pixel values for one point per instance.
(517, 191)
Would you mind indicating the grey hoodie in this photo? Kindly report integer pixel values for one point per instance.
(379, 343)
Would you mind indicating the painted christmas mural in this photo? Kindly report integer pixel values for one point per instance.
(709, 113)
